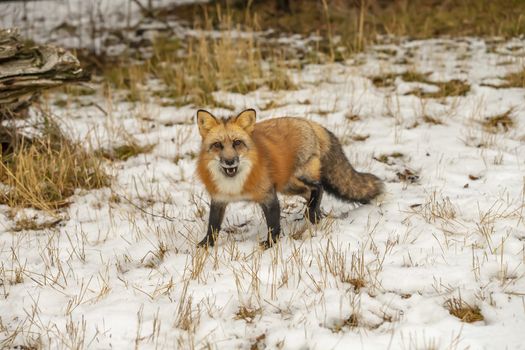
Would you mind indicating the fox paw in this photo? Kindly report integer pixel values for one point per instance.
(205, 243)
(315, 217)
(267, 244)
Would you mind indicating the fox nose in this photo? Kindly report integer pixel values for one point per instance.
(232, 161)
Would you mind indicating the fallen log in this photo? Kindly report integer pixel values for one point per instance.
(27, 68)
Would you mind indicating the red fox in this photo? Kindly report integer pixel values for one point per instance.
(243, 160)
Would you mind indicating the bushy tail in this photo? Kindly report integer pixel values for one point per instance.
(340, 179)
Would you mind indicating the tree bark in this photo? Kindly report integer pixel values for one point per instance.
(27, 68)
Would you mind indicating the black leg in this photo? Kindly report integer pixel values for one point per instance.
(313, 210)
(217, 210)
(272, 212)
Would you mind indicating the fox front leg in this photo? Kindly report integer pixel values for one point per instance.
(217, 210)
(272, 213)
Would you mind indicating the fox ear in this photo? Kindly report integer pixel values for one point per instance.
(206, 122)
(246, 120)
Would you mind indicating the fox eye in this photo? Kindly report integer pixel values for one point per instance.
(237, 143)
(216, 145)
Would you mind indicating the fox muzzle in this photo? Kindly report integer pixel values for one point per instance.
(230, 166)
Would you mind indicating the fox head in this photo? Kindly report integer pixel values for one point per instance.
(227, 146)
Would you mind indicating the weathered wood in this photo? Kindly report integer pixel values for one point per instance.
(27, 68)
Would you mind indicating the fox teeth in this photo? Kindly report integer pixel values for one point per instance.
(230, 171)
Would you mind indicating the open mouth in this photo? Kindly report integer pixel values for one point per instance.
(230, 171)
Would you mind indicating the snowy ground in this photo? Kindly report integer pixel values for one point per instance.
(122, 271)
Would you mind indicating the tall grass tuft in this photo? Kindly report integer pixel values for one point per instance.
(43, 172)
(191, 70)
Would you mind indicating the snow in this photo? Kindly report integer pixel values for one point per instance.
(127, 273)
(80, 23)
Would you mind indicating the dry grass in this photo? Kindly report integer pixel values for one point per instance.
(431, 120)
(130, 148)
(358, 23)
(498, 123)
(44, 173)
(414, 76)
(359, 137)
(192, 71)
(465, 312)
(259, 342)
(384, 80)
(514, 80)
(349, 323)
(407, 175)
(128, 77)
(154, 257)
(208, 65)
(31, 224)
(354, 273)
(247, 313)
(449, 88)
(437, 207)
(429, 18)
(388, 158)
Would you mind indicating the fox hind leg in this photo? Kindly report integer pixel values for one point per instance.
(310, 177)
(313, 212)
(313, 202)
(272, 213)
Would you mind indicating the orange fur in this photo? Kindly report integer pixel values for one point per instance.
(280, 154)
(242, 160)
(275, 146)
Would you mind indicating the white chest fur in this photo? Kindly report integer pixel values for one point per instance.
(230, 189)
